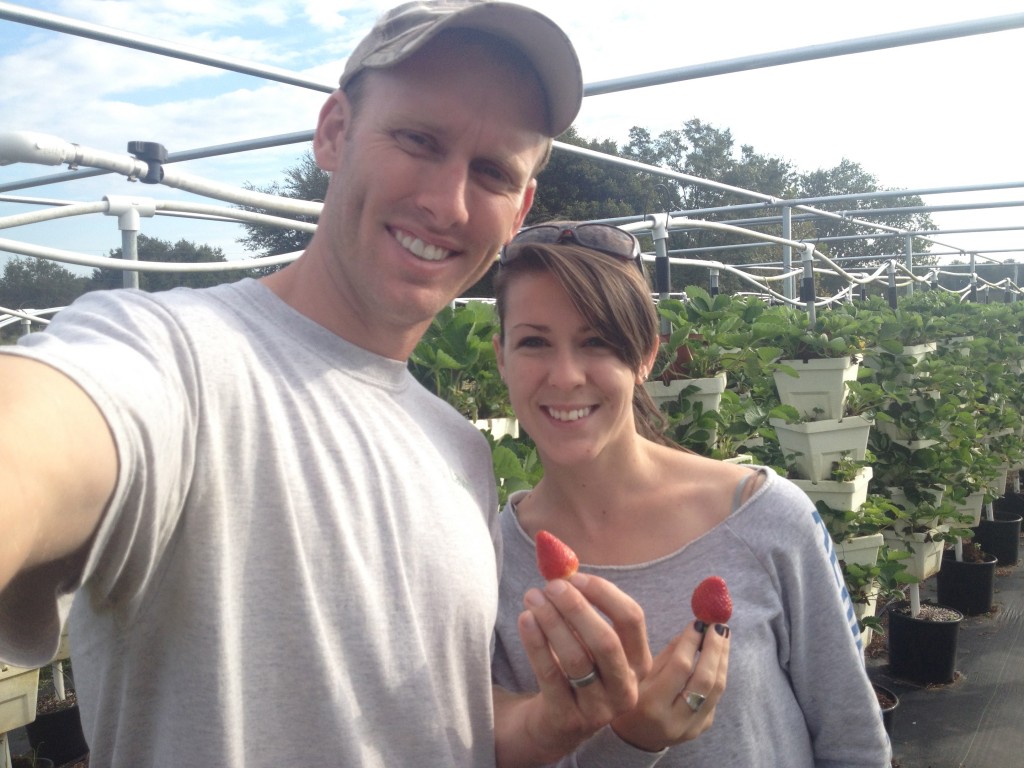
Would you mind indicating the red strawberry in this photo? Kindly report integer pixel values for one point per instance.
(554, 557)
(711, 602)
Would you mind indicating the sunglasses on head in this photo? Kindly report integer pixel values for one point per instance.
(604, 238)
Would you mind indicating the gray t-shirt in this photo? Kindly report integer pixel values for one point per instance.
(797, 694)
(300, 560)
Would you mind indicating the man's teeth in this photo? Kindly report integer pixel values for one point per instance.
(421, 249)
(573, 415)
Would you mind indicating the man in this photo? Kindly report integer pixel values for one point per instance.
(280, 546)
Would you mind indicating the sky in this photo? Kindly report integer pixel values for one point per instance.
(935, 115)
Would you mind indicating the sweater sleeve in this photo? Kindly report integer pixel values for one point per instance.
(606, 750)
(823, 656)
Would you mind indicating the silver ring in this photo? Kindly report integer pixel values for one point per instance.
(583, 682)
(694, 700)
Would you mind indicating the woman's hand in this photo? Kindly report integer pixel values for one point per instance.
(694, 662)
(567, 638)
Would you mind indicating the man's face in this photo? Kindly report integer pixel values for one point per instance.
(432, 175)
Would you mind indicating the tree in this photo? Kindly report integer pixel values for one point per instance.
(182, 252)
(305, 181)
(31, 283)
(863, 250)
(577, 188)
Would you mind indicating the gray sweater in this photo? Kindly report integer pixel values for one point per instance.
(798, 694)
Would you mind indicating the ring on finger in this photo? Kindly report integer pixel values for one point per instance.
(583, 682)
(694, 700)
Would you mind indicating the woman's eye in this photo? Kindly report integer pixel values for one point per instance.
(531, 341)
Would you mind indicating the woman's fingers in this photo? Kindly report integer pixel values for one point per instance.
(625, 615)
(678, 698)
(584, 642)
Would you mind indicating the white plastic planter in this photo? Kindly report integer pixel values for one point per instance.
(961, 344)
(899, 498)
(710, 394)
(972, 505)
(841, 495)
(740, 458)
(919, 352)
(860, 610)
(926, 556)
(499, 427)
(997, 485)
(815, 445)
(916, 353)
(860, 550)
(819, 389)
(19, 691)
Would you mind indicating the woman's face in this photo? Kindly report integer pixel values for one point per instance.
(570, 391)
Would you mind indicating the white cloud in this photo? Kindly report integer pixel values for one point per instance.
(932, 115)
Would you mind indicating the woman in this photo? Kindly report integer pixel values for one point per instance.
(578, 337)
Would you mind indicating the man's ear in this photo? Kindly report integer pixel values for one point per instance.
(335, 118)
(527, 204)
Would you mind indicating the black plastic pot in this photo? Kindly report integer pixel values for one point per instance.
(921, 650)
(1011, 502)
(888, 710)
(27, 761)
(968, 587)
(58, 735)
(1001, 536)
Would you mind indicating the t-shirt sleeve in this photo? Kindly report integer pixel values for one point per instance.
(125, 352)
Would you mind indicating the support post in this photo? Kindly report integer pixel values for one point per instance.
(128, 211)
(908, 257)
(974, 277)
(807, 284)
(787, 252)
(891, 289)
(662, 281)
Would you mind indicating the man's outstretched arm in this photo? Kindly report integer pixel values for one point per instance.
(58, 466)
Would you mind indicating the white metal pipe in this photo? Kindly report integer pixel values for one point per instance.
(810, 53)
(48, 214)
(103, 262)
(153, 45)
(44, 149)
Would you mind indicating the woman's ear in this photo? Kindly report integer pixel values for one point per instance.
(499, 353)
(648, 364)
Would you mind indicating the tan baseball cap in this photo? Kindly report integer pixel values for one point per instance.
(403, 30)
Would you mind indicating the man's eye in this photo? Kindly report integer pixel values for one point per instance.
(411, 141)
(493, 173)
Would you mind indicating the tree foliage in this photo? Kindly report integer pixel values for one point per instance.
(305, 181)
(31, 283)
(182, 252)
(576, 187)
(849, 177)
